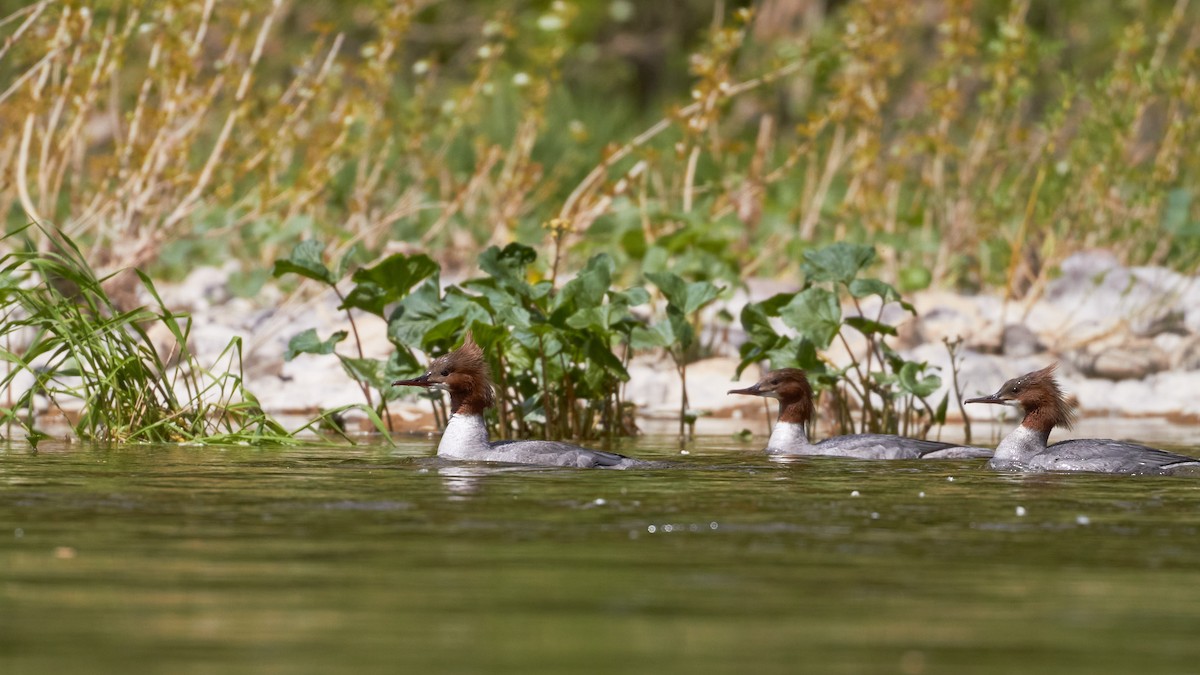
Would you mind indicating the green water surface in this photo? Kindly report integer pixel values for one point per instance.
(382, 559)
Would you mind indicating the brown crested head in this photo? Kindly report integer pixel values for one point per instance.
(791, 387)
(464, 373)
(1039, 395)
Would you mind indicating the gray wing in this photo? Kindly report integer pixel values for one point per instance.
(555, 453)
(888, 446)
(1111, 456)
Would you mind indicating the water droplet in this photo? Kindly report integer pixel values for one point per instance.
(854, 493)
(651, 529)
(950, 479)
(713, 525)
(1020, 510)
(1083, 520)
(874, 515)
(921, 494)
(599, 501)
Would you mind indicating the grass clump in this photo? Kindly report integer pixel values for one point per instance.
(65, 342)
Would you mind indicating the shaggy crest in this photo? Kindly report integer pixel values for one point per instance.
(1038, 393)
(464, 373)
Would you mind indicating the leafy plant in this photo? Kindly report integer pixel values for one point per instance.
(552, 349)
(374, 289)
(677, 333)
(879, 390)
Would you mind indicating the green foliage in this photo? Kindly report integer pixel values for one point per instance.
(886, 392)
(677, 335)
(374, 289)
(551, 349)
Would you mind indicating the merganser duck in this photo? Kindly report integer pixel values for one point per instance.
(789, 437)
(1045, 407)
(464, 373)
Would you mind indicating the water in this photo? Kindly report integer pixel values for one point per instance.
(380, 559)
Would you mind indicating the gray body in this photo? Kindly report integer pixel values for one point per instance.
(789, 438)
(1025, 450)
(466, 439)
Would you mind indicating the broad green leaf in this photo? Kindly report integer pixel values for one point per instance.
(488, 336)
(308, 343)
(672, 286)
(839, 263)
(508, 265)
(757, 324)
(388, 281)
(868, 327)
(631, 297)
(599, 353)
(699, 294)
(588, 287)
(861, 288)
(911, 381)
(305, 260)
(814, 312)
(939, 416)
(656, 335)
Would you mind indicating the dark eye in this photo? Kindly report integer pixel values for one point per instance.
(445, 372)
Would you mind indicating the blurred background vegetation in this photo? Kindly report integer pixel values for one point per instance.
(976, 143)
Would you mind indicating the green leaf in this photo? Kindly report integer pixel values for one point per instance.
(657, 335)
(388, 281)
(939, 417)
(306, 261)
(631, 297)
(599, 353)
(686, 297)
(839, 263)
(757, 324)
(922, 387)
(672, 286)
(308, 343)
(861, 288)
(588, 287)
(699, 294)
(868, 327)
(508, 265)
(814, 312)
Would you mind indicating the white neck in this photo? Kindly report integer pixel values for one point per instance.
(1020, 445)
(465, 436)
(787, 437)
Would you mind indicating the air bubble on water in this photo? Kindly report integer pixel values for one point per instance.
(874, 515)
(921, 494)
(651, 529)
(949, 479)
(854, 493)
(599, 501)
(713, 525)
(1083, 520)
(1020, 510)
(668, 527)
